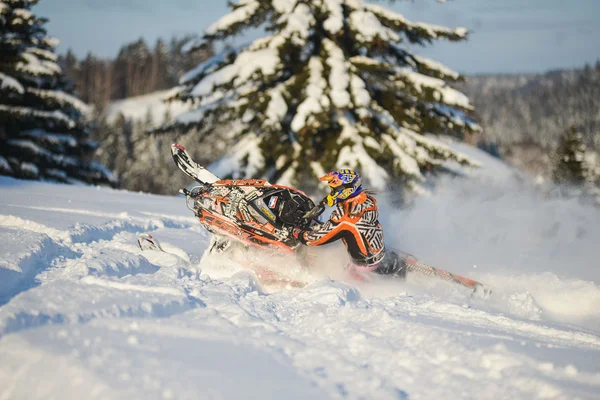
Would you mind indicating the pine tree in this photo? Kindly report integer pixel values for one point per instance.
(43, 133)
(330, 87)
(570, 159)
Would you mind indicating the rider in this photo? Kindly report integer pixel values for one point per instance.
(355, 220)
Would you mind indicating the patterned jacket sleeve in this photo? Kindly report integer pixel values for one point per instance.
(326, 233)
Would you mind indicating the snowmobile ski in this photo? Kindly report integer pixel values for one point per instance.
(148, 242)
(190, 167)
(414, 265)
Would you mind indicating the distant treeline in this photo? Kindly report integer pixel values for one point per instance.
(138, 69)
(537, 109)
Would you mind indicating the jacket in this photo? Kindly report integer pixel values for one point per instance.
(356, 222)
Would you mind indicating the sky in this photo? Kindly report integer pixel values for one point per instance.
(507, 36)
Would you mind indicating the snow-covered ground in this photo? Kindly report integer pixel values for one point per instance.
(151, 106)
(84, 314)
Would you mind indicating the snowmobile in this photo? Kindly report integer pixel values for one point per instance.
(256, 213)
(251, 211)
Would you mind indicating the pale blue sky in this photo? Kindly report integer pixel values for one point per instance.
(507, 35)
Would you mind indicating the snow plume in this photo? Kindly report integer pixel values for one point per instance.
(539, 253)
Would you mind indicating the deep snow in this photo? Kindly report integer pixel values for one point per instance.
(84, 314)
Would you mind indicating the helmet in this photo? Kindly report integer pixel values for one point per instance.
(344, 183)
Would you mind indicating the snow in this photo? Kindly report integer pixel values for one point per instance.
(407, 163)
(53, 116)
(367, 27)
(63, 99)
(22, 13)
(245, 11)
(339, 79)
(52, 138)
(354, 156)
(140, 107)
(4, 165)
(45, 54)
(284, 6)
(437, 66)
(315, 102)
(276, 109)
(398, 19)
(31, 64)
(85, 314)
(361, 95)
(209, 65)
(245, 65)
(10, 83)
(30, 168)
(297, 27)
(244, 159)
(335, 21)
(447, 94)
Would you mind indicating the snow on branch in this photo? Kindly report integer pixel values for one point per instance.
(425, 150)
(315, 101)
(212, 64)
(339, 79)
(284, 6)
(404, 161)
(56, 117)
(44, 54)
(416, 32)
(244, 159)
(354, 155)
(442, 92)
(60, 99)
(297, 27)
(56, 159)
(436, 67)
(50, 41)
(31, 64)
(10, 84)
(249, 62)
(367, 28)
(50, 138)
(277, 108)
(239, 17)
(335, 22)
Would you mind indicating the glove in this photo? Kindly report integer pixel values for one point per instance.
(316, 211)
(298, 233)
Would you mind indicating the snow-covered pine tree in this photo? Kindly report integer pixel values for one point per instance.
(570, 159)
(333, 85)
(43, 133)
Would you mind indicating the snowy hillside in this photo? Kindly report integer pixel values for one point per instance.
(84, 314)
(150, 106)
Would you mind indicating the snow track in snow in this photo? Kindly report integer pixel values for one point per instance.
(85, 314)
